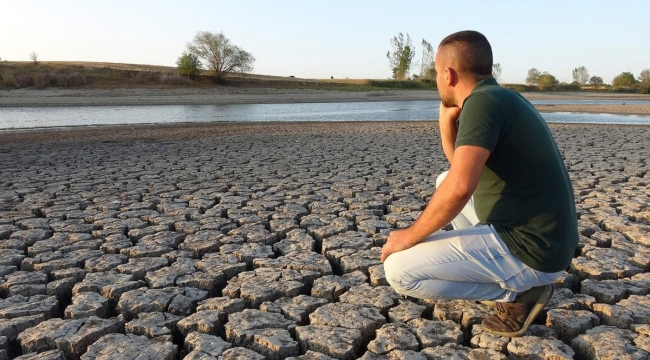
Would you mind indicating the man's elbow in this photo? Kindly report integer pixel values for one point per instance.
(462, 191)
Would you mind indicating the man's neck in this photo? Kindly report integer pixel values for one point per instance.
(466, 86)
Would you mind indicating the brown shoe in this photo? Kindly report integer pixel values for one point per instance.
(513, 318)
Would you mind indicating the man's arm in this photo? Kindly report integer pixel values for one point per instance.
(448, 129)
(446, 203)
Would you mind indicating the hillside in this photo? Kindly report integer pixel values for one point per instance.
(102, 75)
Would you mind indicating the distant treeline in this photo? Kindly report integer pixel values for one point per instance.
(14, 75)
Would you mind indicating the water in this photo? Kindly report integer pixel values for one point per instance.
(44, 117)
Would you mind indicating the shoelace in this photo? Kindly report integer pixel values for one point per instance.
(502, 312)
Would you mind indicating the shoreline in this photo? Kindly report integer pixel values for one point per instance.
(125, 133)
(230, 96)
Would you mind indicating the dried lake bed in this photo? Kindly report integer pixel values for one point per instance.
(261, 240)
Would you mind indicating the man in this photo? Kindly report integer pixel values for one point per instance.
(507, 194)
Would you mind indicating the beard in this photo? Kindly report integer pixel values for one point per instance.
(447, 101)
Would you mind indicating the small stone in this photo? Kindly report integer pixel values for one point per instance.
(153, 324)
(108, 284)
(543, 348)
(337, 342)
(105, 262)
(378, 276)
(393, 337)
(242, 327)
(436, 333)
(206, 322)
(72, 337)
(130, 347)
(570, 323)
(406, 311)
(265, 284)
(48, 306)
(381, 297)
(364, 319)
(296, 309)
(486, 340)
(607, 342)
(46, 355)
(87, 304)
(333, 286)
(240, 353)
(205, 344)
(139, 267)
(297, 261)
(224, 304)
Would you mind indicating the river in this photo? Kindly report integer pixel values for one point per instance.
(46, 117)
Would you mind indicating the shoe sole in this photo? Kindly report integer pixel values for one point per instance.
(489, 303)
(544, 298)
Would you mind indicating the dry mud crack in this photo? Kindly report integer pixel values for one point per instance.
(263, 241)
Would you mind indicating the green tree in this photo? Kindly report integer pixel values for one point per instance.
(624, 79)
(644, 77)
(496, 71)
(402, 56)
(428, 65)
(580, 75)
(219, 54)
(533, 76)
(188, 64)
(596, 80)
(545, 80)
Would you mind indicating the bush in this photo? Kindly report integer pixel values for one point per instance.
(398, 84)
(174, 79)
(43, 80)
(566, 87)
(624, 89)
(521, 87)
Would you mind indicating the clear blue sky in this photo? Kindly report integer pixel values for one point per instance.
(340, 38)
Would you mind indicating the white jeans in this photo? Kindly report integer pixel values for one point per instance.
(468, 263)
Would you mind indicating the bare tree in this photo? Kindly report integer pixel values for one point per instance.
(34, 57)
(428, 65)
(644, 77)
(580, 75)
(496, 71)
(219, 54)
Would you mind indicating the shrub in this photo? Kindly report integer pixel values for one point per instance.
(174, 79)
(398, 84)
(521, 87)
(45, 79)
(566, 87)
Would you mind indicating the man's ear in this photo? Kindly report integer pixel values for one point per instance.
(451, 76)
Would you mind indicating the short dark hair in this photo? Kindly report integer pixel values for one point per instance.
(473, 50)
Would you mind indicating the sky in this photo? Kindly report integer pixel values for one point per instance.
(340, 38)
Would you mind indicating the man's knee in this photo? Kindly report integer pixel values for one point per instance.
(394, 273)
(441, 178)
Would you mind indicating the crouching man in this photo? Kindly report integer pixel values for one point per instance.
(507, 194)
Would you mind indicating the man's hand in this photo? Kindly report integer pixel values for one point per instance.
(398, 240)
(448, 114)
(448, 129)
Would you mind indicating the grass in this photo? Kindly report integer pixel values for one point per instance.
(84, 74)
(25, 74)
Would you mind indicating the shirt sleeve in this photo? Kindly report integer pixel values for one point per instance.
(481, 122)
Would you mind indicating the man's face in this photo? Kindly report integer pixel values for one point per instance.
(441, 81)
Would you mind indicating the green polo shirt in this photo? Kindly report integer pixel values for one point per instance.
(524, 191)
